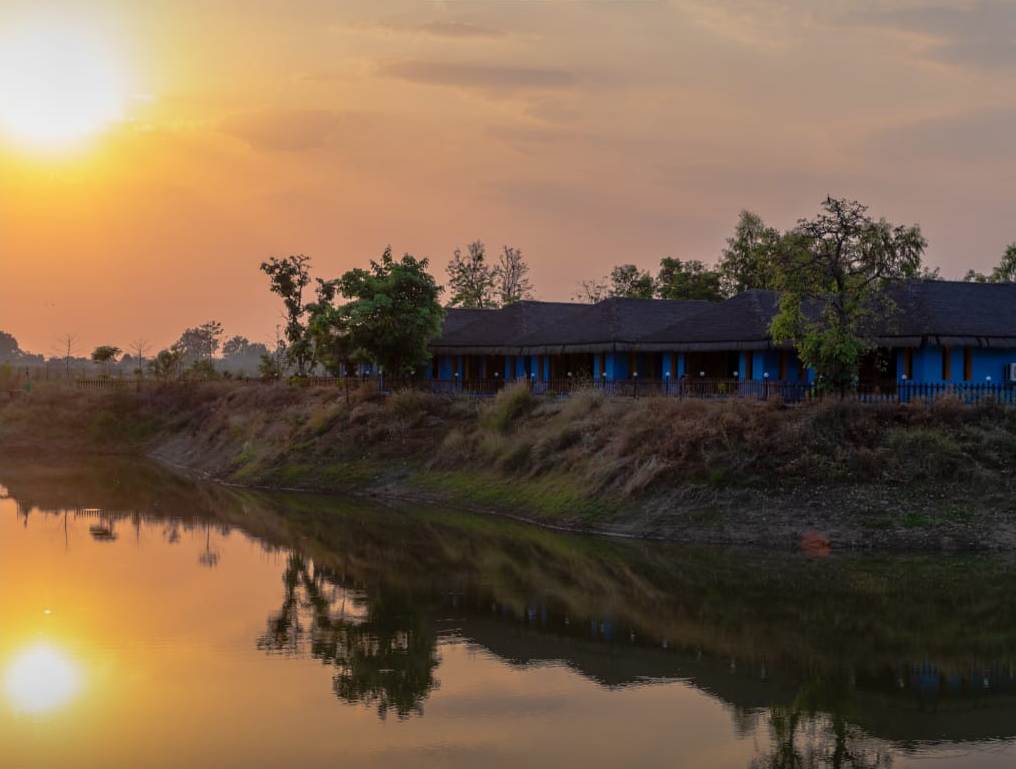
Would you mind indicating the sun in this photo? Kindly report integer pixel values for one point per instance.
(41, 679)
(60, 84)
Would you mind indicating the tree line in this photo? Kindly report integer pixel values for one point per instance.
(831, 271)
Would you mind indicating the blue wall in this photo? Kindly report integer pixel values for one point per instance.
(986, 362)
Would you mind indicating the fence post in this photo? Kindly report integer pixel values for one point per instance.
(635, 376)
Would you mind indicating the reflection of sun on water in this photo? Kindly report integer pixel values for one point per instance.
(41, 679)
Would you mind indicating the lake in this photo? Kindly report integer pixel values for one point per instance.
(148, 620)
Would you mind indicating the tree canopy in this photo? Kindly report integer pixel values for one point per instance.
(392, 313)
(749, 260)
(288, 277)
(628, 281)
(689, 279)
(1005, 272)
(833, 273)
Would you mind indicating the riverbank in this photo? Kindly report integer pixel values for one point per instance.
(895, 476)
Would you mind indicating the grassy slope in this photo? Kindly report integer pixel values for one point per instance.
(705, 471)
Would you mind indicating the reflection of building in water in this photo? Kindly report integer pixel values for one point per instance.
(374, 594)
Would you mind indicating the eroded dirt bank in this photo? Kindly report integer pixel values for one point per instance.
(851, 475)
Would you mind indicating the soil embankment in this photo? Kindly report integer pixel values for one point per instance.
(902, 476)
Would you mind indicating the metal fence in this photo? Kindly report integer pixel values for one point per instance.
(635, 387)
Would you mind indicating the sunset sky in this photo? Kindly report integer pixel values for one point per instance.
(585, 133)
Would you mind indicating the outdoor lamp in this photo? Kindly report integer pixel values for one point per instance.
(904, 378)
(987, 378)
(636, 375)
(702, 373)
(735, 374)
(765, 374)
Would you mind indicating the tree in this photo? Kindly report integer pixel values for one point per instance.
(392, 314)
(1005, 272)
(9, 349)
(628, 281)
(140, 349)
(687, 280)
(591, 291)
(236, 347)
(104, 355)
(749, 260)
(833, 273)
(470, 279)
(66, 344)
(289, 276)
(200, 343)
(168, 364)
(511, 282)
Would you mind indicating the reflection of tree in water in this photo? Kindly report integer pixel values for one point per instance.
(385, 655)
(813, 732)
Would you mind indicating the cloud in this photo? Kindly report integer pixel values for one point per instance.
(287, 130)
(979, 34)
(445, 29)
(484, 77)
(970, 138)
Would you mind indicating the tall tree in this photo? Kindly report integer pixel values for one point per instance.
(627, 280)
(470, 279)
(749, 260)
(687, 280)
(288, 277)
(511, 277)
(833, 274)
(393, 312)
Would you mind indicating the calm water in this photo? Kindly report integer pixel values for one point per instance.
(148, 621)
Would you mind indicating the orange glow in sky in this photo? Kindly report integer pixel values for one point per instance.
(153, 154)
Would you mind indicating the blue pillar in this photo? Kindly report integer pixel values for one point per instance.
(617, 366)
(546, 368)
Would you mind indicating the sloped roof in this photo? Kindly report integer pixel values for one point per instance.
(613, 323)
(955, 312)
(490, 331)
(940, 312)
(740, 322)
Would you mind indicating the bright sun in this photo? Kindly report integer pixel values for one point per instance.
(41, 679)
(58, 85)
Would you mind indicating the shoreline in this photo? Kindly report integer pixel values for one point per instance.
(583, 466)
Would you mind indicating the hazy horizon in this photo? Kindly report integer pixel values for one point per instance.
(586, 134)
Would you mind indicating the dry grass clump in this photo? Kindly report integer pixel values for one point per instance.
(510, 405)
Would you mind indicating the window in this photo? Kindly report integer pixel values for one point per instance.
(946, 364)
(968, 364)
(749, 366)
(908, 363)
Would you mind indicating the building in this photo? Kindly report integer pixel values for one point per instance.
(938, 332)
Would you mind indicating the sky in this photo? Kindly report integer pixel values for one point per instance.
(585, 133)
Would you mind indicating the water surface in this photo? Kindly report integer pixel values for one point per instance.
(150, 621)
